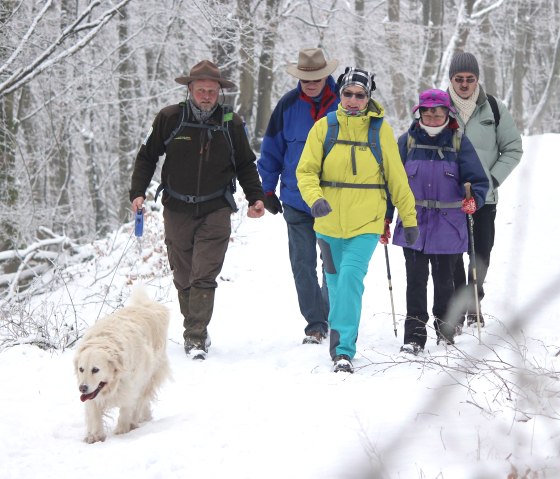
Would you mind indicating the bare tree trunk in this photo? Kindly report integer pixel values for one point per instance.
(433, 24)
(224, 40)
(487, 52)
(62, 161)
(266, 64)
(247, 61)
(549, 98)
(465, 24)
(358, 40)
(126, 120)
(8, 186)
(392, 29)
(520, 60)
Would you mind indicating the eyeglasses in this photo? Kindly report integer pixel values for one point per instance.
(463, 79)
(310, 81)
(432, 117)
(350, 94)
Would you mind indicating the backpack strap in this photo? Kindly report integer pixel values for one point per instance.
(332, 133)
(456, 141)
(373, 140)
(176, 130)
(495, 109)
(331, 138)
(373, 143)
(227, 117)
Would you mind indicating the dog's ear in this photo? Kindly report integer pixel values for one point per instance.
(115, 363)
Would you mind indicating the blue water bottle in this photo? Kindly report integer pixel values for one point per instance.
(139, 222)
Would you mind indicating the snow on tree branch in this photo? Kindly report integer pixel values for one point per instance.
(48, 57)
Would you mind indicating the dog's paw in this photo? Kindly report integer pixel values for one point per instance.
(93, 437)
(124, 428)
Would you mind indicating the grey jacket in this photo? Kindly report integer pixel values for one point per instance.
(499, 149)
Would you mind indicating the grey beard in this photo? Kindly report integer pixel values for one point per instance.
(200, 115)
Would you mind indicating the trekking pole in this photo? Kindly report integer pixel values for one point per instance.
(473, 260)
(390, 288)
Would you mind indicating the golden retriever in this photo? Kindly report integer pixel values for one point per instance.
(121, 362)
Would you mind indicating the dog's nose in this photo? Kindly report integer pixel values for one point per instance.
(83, 388)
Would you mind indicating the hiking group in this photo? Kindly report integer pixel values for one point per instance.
(341, 174)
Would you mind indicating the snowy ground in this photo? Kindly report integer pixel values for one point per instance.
(265, 406)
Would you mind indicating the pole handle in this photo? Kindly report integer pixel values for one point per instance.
(468, 193)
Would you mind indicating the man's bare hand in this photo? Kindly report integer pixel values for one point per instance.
(257, 210)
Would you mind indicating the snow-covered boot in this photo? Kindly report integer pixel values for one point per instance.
(342, 363)
(471, 320)
(412, 348)
(200, 309)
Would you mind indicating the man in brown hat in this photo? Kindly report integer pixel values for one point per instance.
(315, 95)
(205, 149)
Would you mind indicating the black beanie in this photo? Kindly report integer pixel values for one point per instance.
(358, 77)
(464, 62)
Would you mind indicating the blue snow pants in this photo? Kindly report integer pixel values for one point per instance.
(346, 264)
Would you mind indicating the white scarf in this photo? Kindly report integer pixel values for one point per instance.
(464, 106)
(434, 130)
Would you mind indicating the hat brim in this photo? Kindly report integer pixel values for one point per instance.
(188, 79)
(435, 105)
(324, 72)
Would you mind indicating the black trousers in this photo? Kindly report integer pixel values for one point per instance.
(484, 231)
(417, 272)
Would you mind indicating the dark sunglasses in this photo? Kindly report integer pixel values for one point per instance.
(463, 79)
(310, 81)
(350, 94)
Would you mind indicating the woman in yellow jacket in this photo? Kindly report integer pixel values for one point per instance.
(347, 193)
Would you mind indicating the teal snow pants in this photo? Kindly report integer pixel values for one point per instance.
(346, 264)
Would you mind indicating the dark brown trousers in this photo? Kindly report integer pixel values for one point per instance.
(196, 247)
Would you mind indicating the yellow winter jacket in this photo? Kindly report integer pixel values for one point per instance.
(355, 211)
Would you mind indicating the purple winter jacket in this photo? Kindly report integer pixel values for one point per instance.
(438, 187)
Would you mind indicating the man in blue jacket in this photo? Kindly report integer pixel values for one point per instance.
(315, 95)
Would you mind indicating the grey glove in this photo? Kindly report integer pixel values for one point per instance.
(320, 208)
(411, 234)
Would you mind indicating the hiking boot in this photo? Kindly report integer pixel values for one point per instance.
(314, 337)
(343, 363)
(412, 348)
(471, 320)
(196, 348)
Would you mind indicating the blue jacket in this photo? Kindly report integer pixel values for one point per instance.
(442, 225)
(285, 138)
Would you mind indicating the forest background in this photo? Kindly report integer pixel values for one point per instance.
(82, 80)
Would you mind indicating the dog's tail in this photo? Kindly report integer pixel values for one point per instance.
(140, 296)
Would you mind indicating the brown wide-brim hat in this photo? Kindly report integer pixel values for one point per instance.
(312, 65)
(205, 70)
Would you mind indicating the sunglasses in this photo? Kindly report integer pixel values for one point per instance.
(463, 79)
(310, 81)
(350, 94)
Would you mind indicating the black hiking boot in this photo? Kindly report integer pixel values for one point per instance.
(471, 320)
(314, 337)
(196, 348)
(412, 348)
(342, 363)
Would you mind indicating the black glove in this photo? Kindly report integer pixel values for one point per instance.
(320, 208)
(411, 234)
(272, 203)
